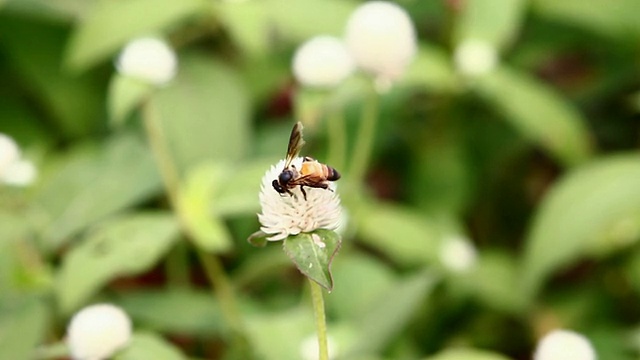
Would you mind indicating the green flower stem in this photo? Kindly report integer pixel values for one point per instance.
(214, 270)
(337, 138)
(321, 325)
(365, 137)
(177, 266)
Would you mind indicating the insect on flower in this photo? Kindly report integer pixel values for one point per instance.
(311, 173)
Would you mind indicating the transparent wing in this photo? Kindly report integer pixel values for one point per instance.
(295, 144)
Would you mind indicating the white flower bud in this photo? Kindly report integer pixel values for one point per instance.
(381, 39)
(148, 59)
(98, 331)
(19, 173)
(322, 61)
(564, 345)
(309, 348)
(475, 57)
(458, 254)
(284, 215)
(9, 152)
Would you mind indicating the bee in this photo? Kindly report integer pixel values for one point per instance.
(311, 174)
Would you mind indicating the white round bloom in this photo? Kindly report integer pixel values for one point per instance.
(148, 59)
(475, 57)
(458, 254)
(19, 173)
(9, 152)
(381, 38)
(309, 349)
(98, 331)
(323, 61)
(564, 345)
(283, 215)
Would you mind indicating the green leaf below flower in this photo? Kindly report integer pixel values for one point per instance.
(312, 254)
(258, 239)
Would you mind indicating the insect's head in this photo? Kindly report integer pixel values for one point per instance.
(285, 176)
(276, 185)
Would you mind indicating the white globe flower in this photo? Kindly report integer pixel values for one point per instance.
(98, 331)
(309, 348)
(381, 38)
(284, 215)
(458, 254)
(475, 57)
(9, 152)
(323, 61)
(564, 345)
(19, 173)
(148, 59)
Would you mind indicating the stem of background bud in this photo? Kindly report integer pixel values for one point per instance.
(321, 325)
(213, 268)
(365, 136)
(337, 138)
(177, 266)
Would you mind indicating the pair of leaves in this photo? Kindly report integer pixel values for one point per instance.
(121, 247)
(584, 214)
(91, 183)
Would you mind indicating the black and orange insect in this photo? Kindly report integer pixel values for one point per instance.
(312, 173)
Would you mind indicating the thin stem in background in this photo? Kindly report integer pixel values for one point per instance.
(321, 325)
(213, 268)
(177, 266)
(365, 137)
(337, 138)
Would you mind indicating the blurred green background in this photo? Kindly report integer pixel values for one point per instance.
(535, 164)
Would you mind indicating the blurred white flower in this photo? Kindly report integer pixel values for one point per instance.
(458, 254)
(98, 331)
(284, 215)
(322, 61)
(309, 348)
(381, 38)
(148, 59)
(13, 169)
(475, 57)
(19, 173)
(564, 345)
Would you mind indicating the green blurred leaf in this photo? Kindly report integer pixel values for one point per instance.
(248, 22)
(361, 280)
(390, 312)
(618, 19)
(22, 327)
(125, 94)
(35, 50)
(238, 192)
(539, 113)
(91, 183)
(192, 312)
(404, 235)
(494, 21)
(112, 23)
(578, 212)
(312, 254)
(207, 231)
(144, 346)
(204, 113)
(467, 354)
(120, 247)
(57, 10)
(279, 335)
(432, 69)
(258, 239)
(495, 282)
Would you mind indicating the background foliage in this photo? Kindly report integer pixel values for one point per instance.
(536, 163)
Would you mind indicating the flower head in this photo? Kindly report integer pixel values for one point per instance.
(284, 215)
(475, 57)
(14, 170)
(98, 331)
(148, 59)
(381, 39)
(322, 61)
(564, 345)
(458, 254)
